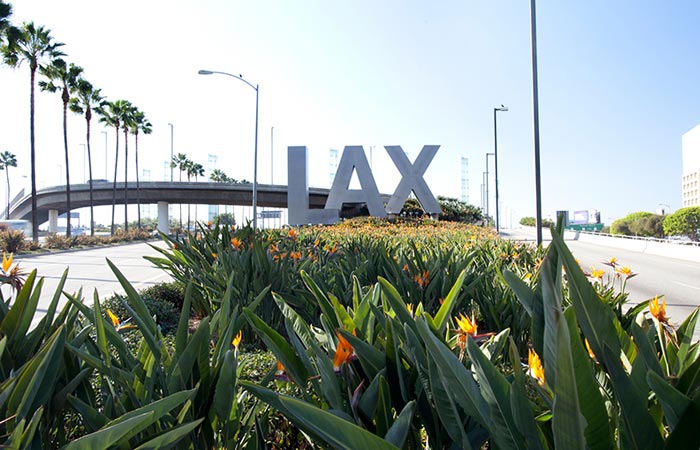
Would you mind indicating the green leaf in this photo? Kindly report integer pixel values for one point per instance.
(107, 437)
(445, 311)
(225, 391)
(673, 402)
(170, 437)
(398, 432)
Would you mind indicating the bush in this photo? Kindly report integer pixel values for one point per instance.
(684, 222)
(650, 226)
(165, 312)
(173, 293)
(624, 225)
(57, 241)
(12, 241)
(529, 221)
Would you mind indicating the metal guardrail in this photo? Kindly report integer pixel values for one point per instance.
(640, 238)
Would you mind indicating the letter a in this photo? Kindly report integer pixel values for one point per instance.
(354, 159)
(412, 179)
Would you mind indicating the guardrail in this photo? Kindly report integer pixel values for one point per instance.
(640, 238)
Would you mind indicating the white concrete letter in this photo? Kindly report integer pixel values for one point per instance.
(354, 159)
(298, 192)
(412, 179)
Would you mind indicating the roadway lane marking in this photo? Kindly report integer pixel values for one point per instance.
(686, 285)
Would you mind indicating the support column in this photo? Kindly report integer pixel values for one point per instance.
(53, 221)
(163, 219)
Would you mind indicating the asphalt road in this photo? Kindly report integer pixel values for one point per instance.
(677, 280)
(88, 269)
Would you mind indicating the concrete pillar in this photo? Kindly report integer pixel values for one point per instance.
(53, 221)
(163, 219)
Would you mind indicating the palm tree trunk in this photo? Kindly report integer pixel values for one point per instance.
(87, 137)
(35, 218)
(188, 208)
(126, 178)
(7, 174)
(65, 145)
(138, 188)
(114, 186)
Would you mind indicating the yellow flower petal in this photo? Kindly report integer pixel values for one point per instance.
(113, 318)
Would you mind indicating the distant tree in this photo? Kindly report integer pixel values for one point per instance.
(684, 222)
(111, 116)
(88, 99)
(7, 160)
(5, 13)
(179, 162)
(197, 171)
(219, 176)
(227, 219)
(622, 226)
(649, 226)
(453, 210)
(140, 124)
(128, 120)
(31, 44)
(63, 77)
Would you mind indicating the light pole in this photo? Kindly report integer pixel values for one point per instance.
(171, 151)
(536, 115)
(495, 157)
(255, 156)
(106, 173)
(486, 184)
(272, 154)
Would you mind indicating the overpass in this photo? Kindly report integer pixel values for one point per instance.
(51, 201)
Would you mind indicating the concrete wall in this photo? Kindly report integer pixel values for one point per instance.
(660, 248)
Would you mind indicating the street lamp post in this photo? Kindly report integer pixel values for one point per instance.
(486, 184)
(171, 151)
(495, 157)
(536, 116)
(255, 156)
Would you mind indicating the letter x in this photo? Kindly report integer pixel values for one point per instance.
(412, 179)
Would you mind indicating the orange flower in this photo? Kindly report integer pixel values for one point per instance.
(658, 311)
(120, 326)
(405, 267)
(536, 370)
(6, 262)
(293, 234)
(237, 339)
(236, 243)
(295, 255)
(422, 280)
(626, 271)
(597, 274)
(588, 348)
(343, 352)
(214, 255)
(280, 368)
(465, 327)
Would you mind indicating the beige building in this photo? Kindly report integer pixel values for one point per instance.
(691, 167)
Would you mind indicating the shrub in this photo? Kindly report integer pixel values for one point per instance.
(173, 293)
(684, 222)
(650, 226)
(165, 312)
(12, 241)
(622, 226)
(57, 241)
(529, 221)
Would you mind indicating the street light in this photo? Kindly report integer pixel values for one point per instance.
(495, 157)
(487, 183)
(171, 151)
(255, 156)
(536, 116)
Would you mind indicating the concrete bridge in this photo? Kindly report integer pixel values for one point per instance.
(51, 201)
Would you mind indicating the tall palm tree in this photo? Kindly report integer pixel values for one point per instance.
(127, 123)
(197, 171)
(112, 117)
(64, 77)
(141, 124)
(189, 172)
(31, 44)
(219, 176)
(86, 100)
(5, 13)
(179, 161)
(7, 160)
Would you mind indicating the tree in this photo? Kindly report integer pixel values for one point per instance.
(7, 160)
(63, 77)
(622, 226)
(684, 222)
(180, 162)
(197, 171)
(227, 219)
(112, 117)
(31, 44)
(127, 120)
(5, 13)
(219, 176)
(86, 100)
(141, 124)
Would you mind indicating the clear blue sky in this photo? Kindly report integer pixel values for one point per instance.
(618, 86)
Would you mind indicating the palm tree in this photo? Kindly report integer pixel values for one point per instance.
(86, 100)
(31, 44)
(189, 171)
(197, 171)
(179, 161)
(60, 75)
(219, 176)
(7, 160)
(112, 116)
(141, 124)
(127, 123)
(5, 13)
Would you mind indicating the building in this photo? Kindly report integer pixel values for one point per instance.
(691, 167)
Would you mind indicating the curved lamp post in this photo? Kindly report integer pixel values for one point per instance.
(255, 157)
(495, 157)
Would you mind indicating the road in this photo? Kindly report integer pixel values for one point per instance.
(89, 269)
(676, 279)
